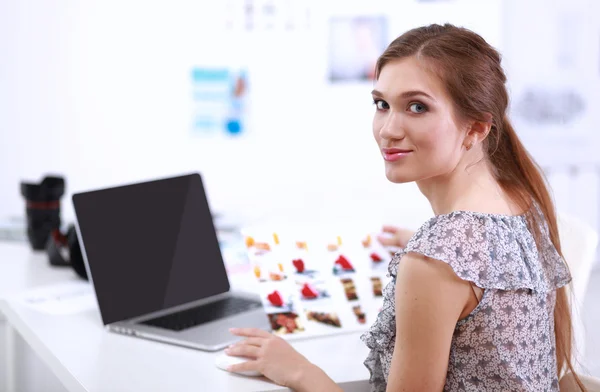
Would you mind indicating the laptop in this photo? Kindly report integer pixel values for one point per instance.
(152, 255)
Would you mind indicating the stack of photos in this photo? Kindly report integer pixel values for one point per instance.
(320, 285)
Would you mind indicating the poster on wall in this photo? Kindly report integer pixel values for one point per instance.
(557, 101)
(355, 43)
(267, 15)
(552, 75)
(542, 105)
(319, 285)
(219, 101)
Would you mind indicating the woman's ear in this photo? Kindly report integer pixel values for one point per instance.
(479, 130)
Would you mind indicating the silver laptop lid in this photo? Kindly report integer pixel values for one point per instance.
(149, 246)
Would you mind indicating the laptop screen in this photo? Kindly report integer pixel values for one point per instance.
(150, 246)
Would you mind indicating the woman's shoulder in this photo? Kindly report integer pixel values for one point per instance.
(460, 229)
(490, 250)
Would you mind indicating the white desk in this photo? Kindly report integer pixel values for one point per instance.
(21, 269)
(87, 358)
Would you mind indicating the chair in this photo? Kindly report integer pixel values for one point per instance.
(578, 242)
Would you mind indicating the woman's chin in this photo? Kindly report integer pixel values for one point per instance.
(398, 176)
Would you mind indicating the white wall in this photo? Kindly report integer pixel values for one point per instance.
(99, 91)
(561, 54)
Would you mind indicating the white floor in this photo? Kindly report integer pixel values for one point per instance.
(591, 319)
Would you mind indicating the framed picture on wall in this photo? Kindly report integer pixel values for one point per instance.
(355, 43)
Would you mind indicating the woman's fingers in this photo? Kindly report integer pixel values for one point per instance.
(250, 332)
(248, 366)
(390, 229)
(387, 241)
(243, 350)
(258, 342)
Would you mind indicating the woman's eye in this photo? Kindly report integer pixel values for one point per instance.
(417, 107)
(381, 105)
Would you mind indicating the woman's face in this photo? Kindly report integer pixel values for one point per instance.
(414, 123)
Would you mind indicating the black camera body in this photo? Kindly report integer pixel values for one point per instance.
(64, 250)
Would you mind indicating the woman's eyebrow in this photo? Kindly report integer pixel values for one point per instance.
(406, 94)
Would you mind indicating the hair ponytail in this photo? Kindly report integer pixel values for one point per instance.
(521, 177)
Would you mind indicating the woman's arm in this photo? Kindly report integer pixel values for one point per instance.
(316, 380)
(430, 299)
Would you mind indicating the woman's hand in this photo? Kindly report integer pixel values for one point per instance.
(399, 237)
(275, 358)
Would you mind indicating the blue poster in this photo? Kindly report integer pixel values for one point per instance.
(218, 101)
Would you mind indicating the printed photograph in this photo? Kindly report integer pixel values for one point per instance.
(338, 253)
(361, 316)
(286, 323)
(349, 289)
(377, 286)
(378, 255)
(342, 265)
(326, 318)
(267, 265)
(313, 290)
(277, 297)
(268, 271)
(304, 264)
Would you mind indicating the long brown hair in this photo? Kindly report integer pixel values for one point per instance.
(473, 76)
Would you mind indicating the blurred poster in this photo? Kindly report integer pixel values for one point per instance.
(265, 15)
(219, 98)
(551, 71)
(355, 43)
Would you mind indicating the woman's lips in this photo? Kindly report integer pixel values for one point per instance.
(394, 154)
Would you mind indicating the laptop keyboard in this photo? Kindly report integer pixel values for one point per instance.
(203, 314)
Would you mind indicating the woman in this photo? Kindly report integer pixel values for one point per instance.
(477, 301)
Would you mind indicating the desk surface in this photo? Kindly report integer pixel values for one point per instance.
(86, 357)
(22, 269)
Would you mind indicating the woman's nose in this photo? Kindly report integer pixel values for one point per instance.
(392, 127)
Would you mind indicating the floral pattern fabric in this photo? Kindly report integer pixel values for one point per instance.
(507, 343)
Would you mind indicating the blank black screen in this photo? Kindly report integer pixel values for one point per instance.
(150, 246)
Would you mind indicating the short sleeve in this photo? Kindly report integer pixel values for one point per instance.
(492, 251)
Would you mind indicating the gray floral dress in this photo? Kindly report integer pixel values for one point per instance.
(507, 342)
